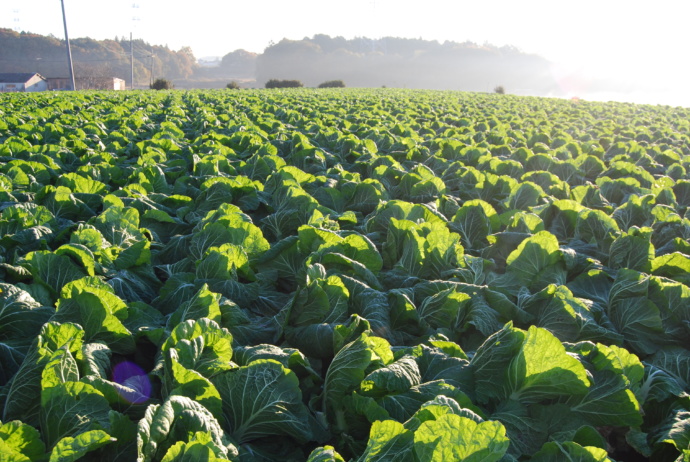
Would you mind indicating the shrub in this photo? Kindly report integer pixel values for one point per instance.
(162, 84)
(500, 90)
(275, 83)
(233, 86)
(332, 84)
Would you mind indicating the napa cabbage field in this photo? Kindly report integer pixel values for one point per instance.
(343, 275)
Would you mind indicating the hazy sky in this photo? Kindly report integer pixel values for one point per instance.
(640, 42)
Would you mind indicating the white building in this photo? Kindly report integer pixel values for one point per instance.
(22, 81)
(209, 61)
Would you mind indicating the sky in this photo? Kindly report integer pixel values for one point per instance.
(642, 44)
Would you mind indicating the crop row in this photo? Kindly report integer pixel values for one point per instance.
(371, 275)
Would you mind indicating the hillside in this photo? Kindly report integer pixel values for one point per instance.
(360, 62)
(27, 52)
(409, 63)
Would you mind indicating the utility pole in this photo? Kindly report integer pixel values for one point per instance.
(131, 59)
(69, 50)
(152, 56)
(135, 18)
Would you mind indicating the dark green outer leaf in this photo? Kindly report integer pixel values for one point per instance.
(263, 399)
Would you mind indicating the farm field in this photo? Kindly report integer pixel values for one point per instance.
(343, 275)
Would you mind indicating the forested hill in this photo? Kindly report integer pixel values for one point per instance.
(360, 62)
(27, 52)
(400, 62)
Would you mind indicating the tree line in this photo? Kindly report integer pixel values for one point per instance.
(359, 62)
(401, 62)
(28, 52)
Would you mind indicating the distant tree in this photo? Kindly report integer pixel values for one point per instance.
(239, 64)
(332, 84)
(162, 84)
(275, 83)
(182, 62)
(500, 90)
(233, 86)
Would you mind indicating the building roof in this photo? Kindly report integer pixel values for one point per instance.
(16, 77)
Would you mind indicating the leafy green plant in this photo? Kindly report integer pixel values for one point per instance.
(332, 276)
